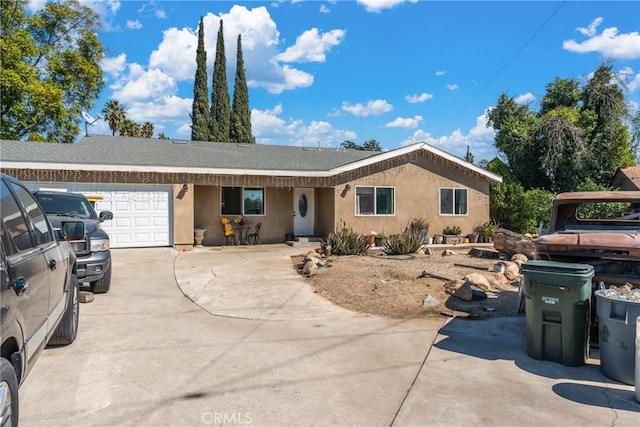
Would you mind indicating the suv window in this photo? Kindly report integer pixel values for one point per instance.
(35, 215)
(13, 221)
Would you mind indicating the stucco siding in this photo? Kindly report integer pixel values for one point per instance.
(417, 194)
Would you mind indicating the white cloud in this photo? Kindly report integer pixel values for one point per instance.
(440, 73)
(525, 98)
(134, 25)
(414, 99)
(324, 9)
(378, 5)
(479, 140)
(160, 109)
(115, 65)
(402, 122)
(141, 85)
(268, 128)
(152, 8)
(609, 43)
(176, 54)
(590, 31)
(372, 108)
(312, 46)
(631, 79)
(452, 87)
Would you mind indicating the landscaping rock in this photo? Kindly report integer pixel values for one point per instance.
(310, 268)
(479, 281)
(85, 296)
(430, 301)
(519, 259)
(464, 292)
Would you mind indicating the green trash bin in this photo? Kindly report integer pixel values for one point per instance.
(557, 310)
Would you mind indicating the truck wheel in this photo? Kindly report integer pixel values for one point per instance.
(67, 330)
(102, 285)
(8, 394)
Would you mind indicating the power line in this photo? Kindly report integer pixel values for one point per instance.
(504, 67)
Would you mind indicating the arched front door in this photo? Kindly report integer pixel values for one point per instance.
(303, 207)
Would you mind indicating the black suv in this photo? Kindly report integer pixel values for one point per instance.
(92, 251)
(39, 303)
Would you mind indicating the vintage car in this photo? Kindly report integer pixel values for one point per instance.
(600, 228)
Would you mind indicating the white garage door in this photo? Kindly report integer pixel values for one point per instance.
(141, 214)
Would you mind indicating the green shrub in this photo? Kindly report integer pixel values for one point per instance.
(402, 244)
(345, 241)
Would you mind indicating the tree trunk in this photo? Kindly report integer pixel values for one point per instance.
(513, 243)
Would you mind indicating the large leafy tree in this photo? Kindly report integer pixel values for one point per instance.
(50, 69)
(220, 116)
(114, 115)
(578, 134)
(370, 145)
(240, 127)
(200, 109)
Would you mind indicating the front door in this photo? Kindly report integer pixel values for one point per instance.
(303, 211)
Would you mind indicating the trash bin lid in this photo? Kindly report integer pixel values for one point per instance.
(556, 267)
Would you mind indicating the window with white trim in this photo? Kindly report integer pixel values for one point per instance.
(242, 201)
(375, 201)
(454, 201)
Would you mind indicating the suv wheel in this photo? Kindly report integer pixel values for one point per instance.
(8, 394)
(67, 330)
(102, 285)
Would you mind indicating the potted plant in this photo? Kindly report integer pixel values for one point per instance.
(487, 230)
(380, 239)
(452, 234)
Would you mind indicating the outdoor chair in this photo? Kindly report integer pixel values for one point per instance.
(255, 236)
(228, 231)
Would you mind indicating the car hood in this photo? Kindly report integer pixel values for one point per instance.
(89, 224)
(592, 243)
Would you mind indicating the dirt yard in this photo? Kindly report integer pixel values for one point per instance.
(395, 286)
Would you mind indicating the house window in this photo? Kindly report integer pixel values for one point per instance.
(375, 201)
(242, 201)
(453, 201)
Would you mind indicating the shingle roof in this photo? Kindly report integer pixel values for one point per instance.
(121, 151)
(115, 153)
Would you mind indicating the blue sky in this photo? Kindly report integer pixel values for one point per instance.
(321, 72)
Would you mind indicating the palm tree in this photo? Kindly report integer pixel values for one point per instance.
(146, 131)
(114, 114)
(130, 128)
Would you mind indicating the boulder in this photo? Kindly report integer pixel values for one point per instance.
(310, 268)
(519, 259)
(511, 270)
(478, 280)
(464, 292)
(312, 255)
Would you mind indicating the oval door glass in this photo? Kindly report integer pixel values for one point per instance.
(302, 205)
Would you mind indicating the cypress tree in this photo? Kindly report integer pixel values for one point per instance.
(220, 105)
(200, 109)
(240, 130)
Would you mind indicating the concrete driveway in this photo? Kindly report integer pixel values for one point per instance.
(234, 337)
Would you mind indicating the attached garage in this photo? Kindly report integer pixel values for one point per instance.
(141, 214)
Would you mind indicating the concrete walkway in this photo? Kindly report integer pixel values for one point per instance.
(232, 336)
